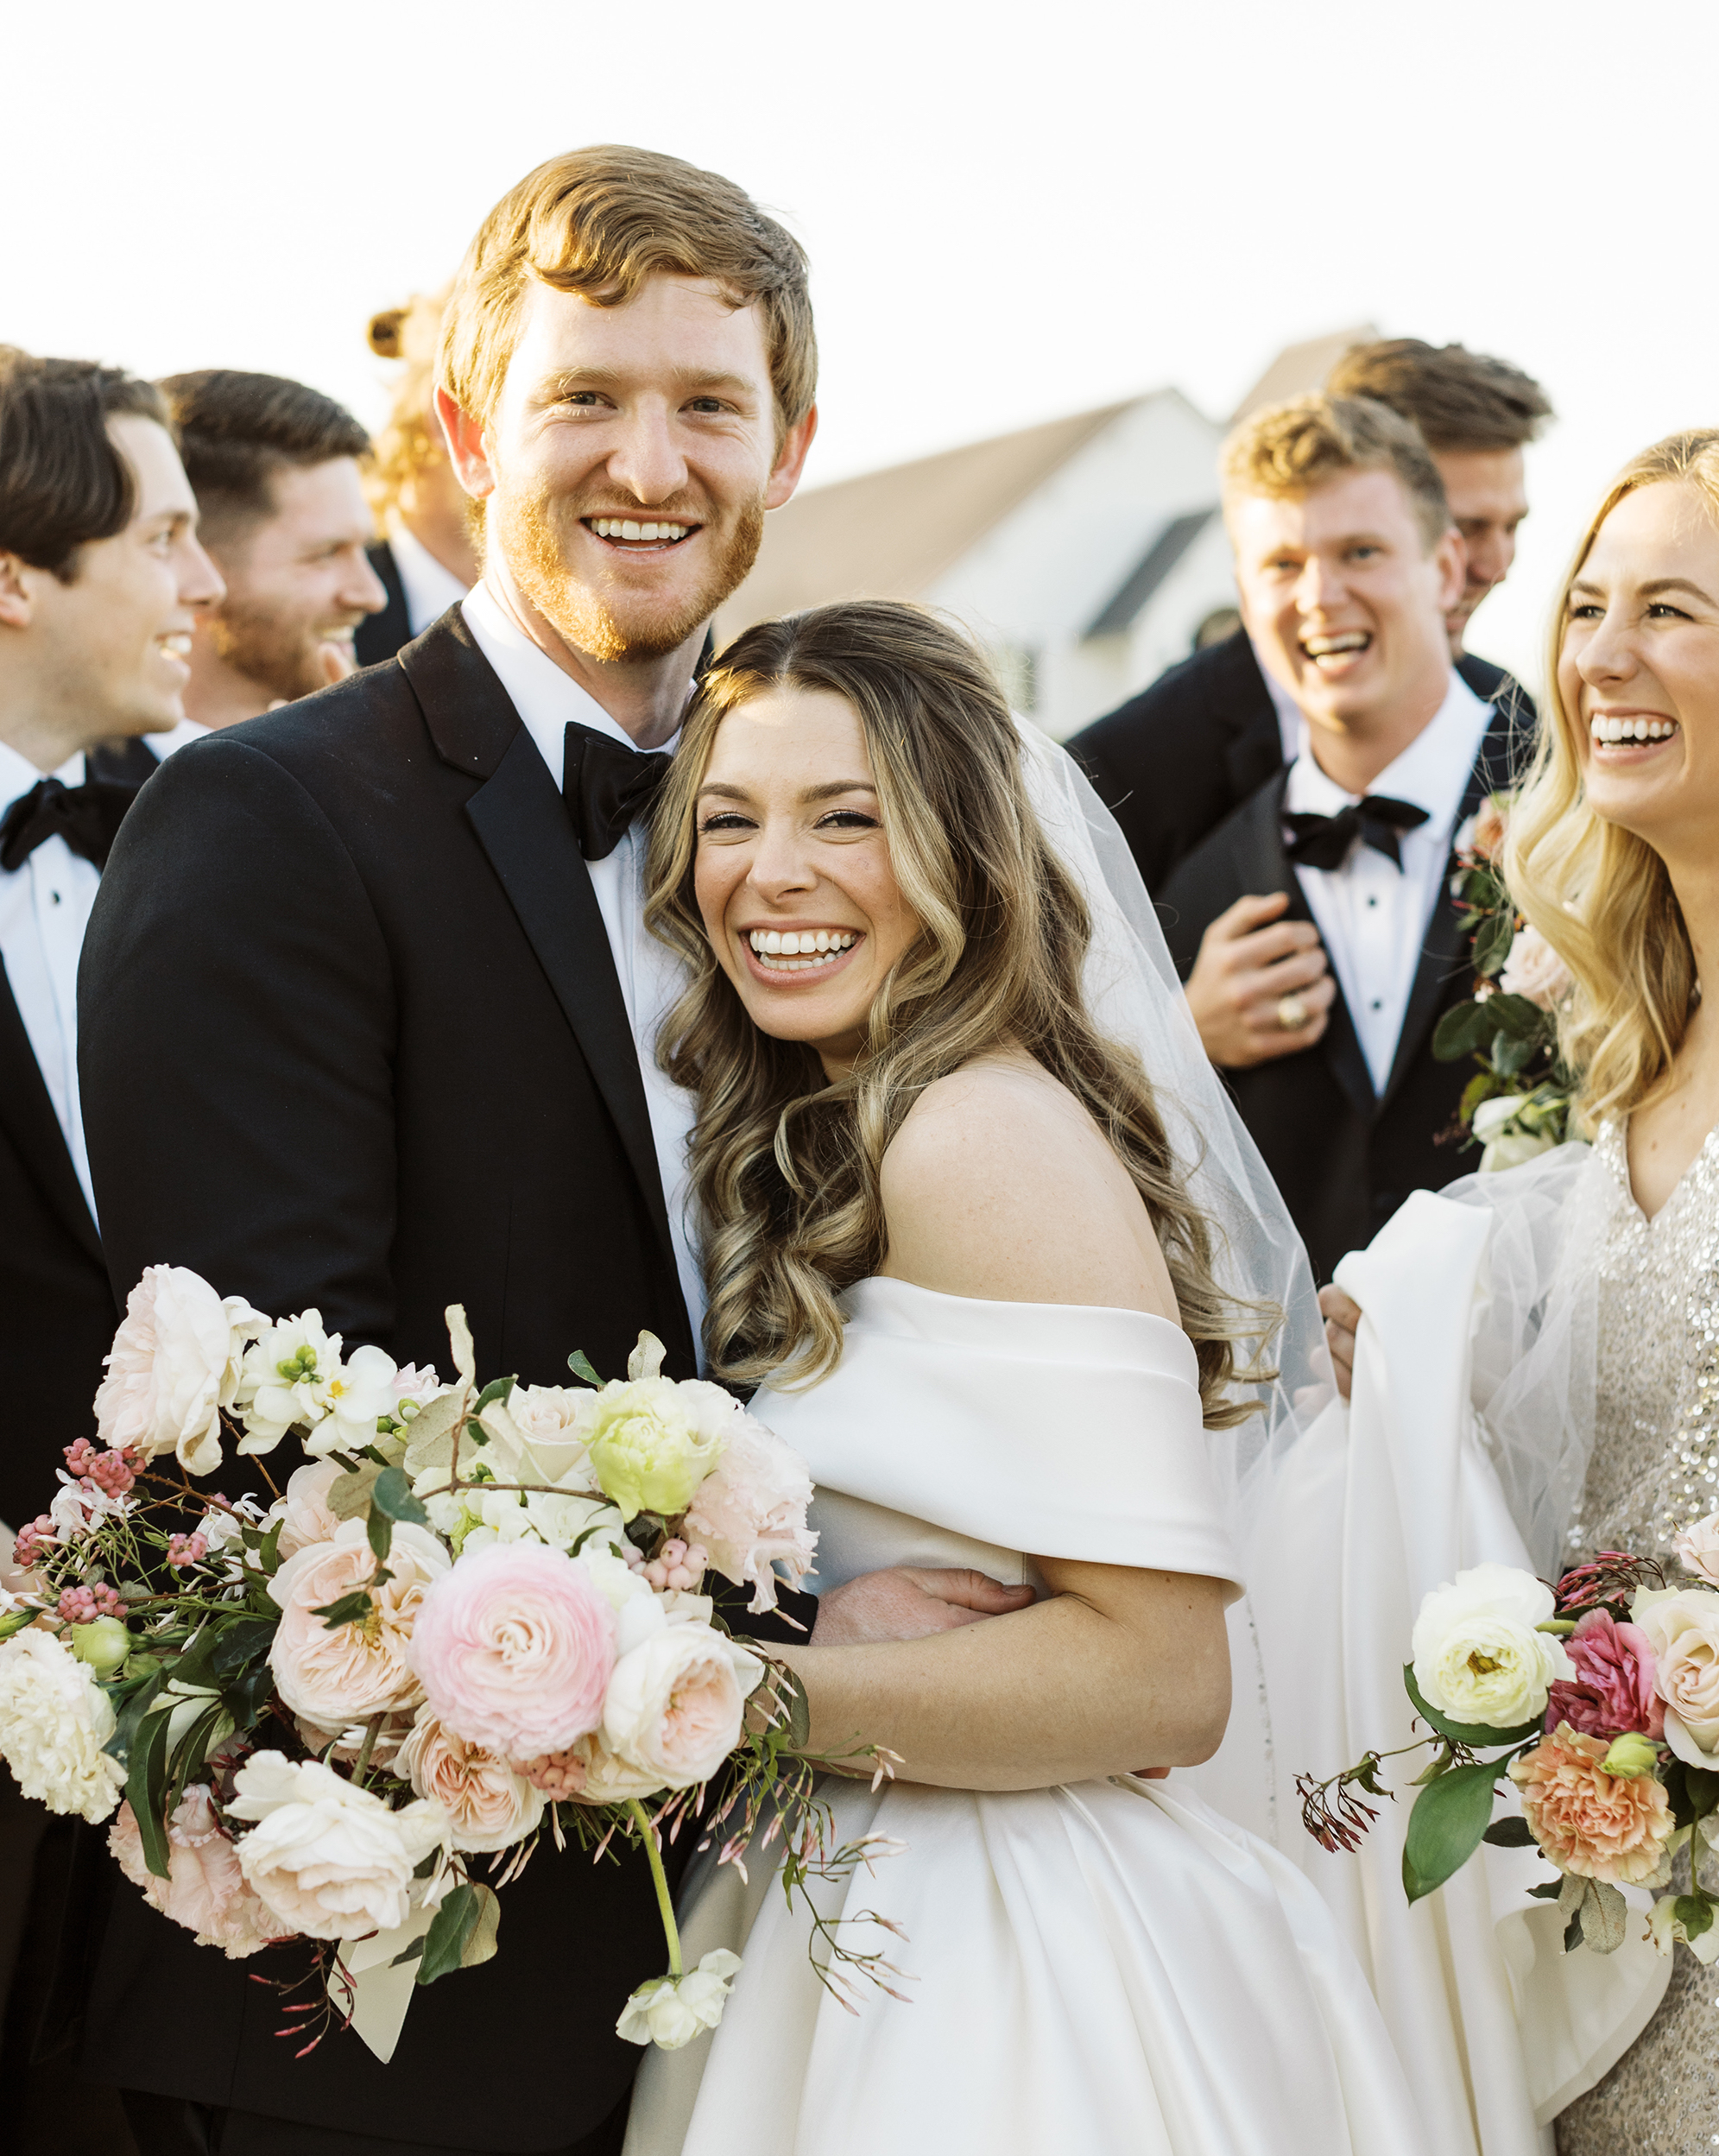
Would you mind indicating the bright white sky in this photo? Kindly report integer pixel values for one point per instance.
(1013, 212)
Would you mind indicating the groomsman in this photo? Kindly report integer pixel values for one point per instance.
(1348, 568)
(1175, 760)
(275, 466)
(101, 581)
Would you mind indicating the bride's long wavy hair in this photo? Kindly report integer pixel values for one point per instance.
(1600, 897)
(785, 1165)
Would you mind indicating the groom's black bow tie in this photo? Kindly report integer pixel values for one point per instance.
(86, 816)
(607, 787)
(1323, 842)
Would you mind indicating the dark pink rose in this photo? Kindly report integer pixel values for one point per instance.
(1613, 1689)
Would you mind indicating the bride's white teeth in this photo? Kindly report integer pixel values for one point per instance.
(1610, 731)
(792, 950)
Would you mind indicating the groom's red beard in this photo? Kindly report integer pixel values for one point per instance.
(535, 536)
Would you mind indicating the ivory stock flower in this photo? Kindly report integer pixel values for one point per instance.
(330, 1859)
(1588, 1822)
(345, 1673)
(1533, 969)
(294, 1377)
(749, 1513)
(670, 2010)
(205, 1890)
(675, 1705)
(514, 1649)
(173, 1365)
(1477, 1656)
(54, 1719)
(489, 1804)
(1682, 1627)
(1612, 1688)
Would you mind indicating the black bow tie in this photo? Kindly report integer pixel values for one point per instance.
(86, 816)
(1323, 842)
(607, 787)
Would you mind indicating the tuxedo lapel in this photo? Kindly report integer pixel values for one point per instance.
(28, 1117)
(522, 825)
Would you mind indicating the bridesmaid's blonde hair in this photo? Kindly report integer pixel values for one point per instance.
(1600, 897)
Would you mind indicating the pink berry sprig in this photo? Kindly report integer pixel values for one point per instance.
(559, 1775)
(113, 1472)
(188, 1549)
(83, 1605)
(677, 1564)
(31, 1541)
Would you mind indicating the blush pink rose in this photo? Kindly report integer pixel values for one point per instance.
(1613, 1689)
(1596, 1825)
(676, 1704)
(336, 1676)
(1533, 969)
(205, 1889)
(514, 1649)
(749, 1513)
(306, 1518)
(489, 1804)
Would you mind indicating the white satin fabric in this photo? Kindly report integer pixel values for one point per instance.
(1496, 2027)
(1101, 1968)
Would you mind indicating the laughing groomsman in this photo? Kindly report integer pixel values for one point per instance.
(1314, 926)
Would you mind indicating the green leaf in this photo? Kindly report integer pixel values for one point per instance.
(498, 1388)
(1521, 1020)
(1572, 1933)
(237, 1644)
(379, 1527)
(1445, 1827)
(350, 1609)
(1550, 1892)
(1493, 939)
(16, 1622)
(1695, 1913)
(349, 1494)
(580, 1367)
(800, 1715)
(269, 1551)
(393, 1495)
(1464, 1031)
(247, 1696)
(1511, 1056)
(452, 1927)
(146, 1790)
(1464, 1732)
(1509, 1834)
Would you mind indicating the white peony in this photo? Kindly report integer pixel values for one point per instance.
(330, 1859)
(54, 1719)
(173, 1365)
(1477, 1655)
(676, 1702)
(670, 2010)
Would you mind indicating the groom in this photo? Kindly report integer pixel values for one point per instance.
(370, 977)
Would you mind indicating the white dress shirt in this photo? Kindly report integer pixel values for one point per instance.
(430, 590)
(44, 910)
(651, 978)
(1372, 915)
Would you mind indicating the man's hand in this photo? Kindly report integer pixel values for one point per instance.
(1250, 959)
(1342, 1315)
(909, 1601)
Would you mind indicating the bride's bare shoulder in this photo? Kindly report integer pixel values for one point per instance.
(999, 1185)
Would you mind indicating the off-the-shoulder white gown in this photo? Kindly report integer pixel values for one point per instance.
(1102, 1968)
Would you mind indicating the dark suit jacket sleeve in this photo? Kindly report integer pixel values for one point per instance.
(236, 1023)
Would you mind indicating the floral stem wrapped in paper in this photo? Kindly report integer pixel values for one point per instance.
(475, 1616)
(1603, 1694)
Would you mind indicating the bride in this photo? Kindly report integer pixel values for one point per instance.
(945, 1224)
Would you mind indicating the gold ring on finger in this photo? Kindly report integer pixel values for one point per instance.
(1291, 1012)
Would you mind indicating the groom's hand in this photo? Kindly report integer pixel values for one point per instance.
(909, 1601)
(1254, 970)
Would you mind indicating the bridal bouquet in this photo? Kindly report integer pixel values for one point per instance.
(1603, 1694)
(1517, 1103)
(473, 1617)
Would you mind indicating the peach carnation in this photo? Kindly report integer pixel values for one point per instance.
(1596, 1825)
(338, 1675)
(205, 1889)
(514, 1648)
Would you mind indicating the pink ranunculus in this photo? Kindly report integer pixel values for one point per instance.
(1613, 1689)
(1533, 969)
(336, 1676)
(1596, 1825)
(490, 1804)
(749, 1513)
(172, 1367)
(514, 1649)
(205, 1889)
(306, 1518)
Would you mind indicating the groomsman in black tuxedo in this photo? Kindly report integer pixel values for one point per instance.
(376, 1007)
(101, 578)
(1175, 760)
(1314, 927)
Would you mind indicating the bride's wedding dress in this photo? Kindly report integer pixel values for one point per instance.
(1106, 1967)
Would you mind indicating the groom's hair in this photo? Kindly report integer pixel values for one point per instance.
(599, 222)
(63, 481)
(1288, 450)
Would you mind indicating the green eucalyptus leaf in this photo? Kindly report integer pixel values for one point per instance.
(580, 1364)
(1450, 1817)
(379, 1527)
(1695, 1913)
(498, 1388)
(452, 1924)
(393, 1496)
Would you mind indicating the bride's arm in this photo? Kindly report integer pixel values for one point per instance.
(1000, 1187)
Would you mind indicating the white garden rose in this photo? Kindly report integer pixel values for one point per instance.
(675, 1703)
(1697, 1548)
(330, 1859)
(670, 2010)
(54, 1719)
(1682, 1625)
(175, 1365)
(1477, 1655)
(1506, 1142)
(1535, 970)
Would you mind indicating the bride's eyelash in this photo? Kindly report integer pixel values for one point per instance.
(724, 820)
(850, 819)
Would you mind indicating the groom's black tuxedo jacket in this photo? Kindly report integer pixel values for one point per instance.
(355, 1040)
(1173, 761)
(1343, 1156)
(57, 1312)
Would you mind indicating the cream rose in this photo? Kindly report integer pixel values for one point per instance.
(1697, 1548)
(173, 1365)
(1533, 969)
(54, 1719)
(331, 1859)
(1477, 1655)
(338, 1675)
(1683, 1628)
(490, 1804)
(304, 1511)
(675, 1703)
